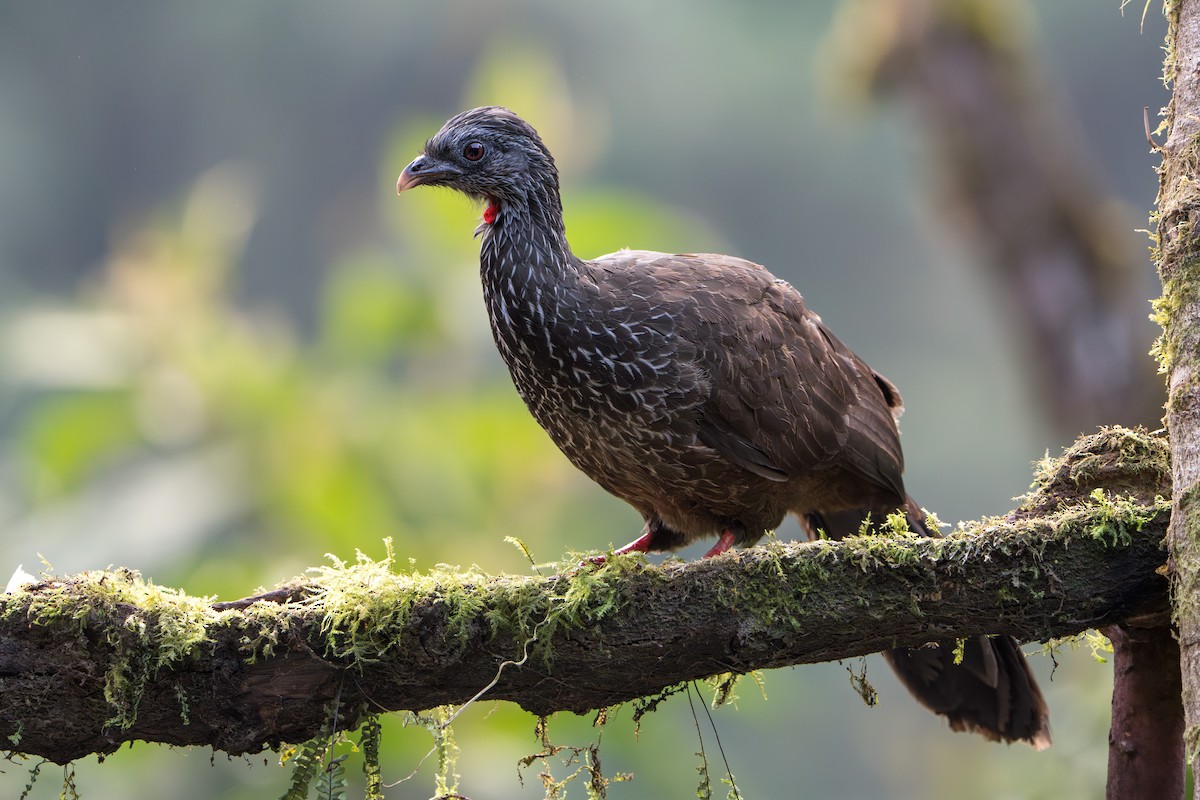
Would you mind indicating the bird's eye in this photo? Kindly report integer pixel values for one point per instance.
(473, 151)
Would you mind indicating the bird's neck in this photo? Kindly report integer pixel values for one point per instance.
(525, 240)
(530, 284)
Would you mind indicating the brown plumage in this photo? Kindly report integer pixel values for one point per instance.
(701, 390)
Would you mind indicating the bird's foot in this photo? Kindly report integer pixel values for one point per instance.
(726, 541)
(643, 543)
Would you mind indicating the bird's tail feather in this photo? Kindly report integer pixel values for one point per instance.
(990, 691)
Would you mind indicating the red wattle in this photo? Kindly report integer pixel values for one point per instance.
(489, 213)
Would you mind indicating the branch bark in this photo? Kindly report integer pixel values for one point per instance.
(89, 662)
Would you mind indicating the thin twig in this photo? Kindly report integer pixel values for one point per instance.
(720, 749)
(699, 733)
(1155, 147)
(333, 729)
(491, 684)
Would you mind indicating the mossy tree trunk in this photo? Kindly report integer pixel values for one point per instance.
(1178, 235)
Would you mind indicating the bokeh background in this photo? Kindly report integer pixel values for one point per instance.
(227, 348)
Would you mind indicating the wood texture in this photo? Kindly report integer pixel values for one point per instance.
(1179, 349)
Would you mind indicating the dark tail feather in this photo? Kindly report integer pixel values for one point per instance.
(991, 691)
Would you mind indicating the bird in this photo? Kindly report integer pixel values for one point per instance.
(701, 390)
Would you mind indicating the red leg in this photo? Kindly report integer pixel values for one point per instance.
(638, 545)
(724, 543)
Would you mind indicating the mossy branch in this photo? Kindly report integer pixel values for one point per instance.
(92, 661)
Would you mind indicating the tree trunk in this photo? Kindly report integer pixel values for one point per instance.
(1145, 741)
(1178, 236)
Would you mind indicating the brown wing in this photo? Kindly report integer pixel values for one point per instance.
(783, 395)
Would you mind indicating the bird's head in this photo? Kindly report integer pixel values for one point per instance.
(488, 153)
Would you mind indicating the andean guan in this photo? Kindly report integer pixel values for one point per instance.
(701, 390)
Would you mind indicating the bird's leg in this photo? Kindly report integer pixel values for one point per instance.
(638, 545)
(726, 541)
(642, 544)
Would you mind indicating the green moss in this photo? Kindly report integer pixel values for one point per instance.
(1114, 520)
(1130, 461)
(1180, 291)
(32, 779)
(1191, 744)
(1137, 451)
(873, 551)
(1097, 643)
(1185, 577)
(724, 687)
(1171, 12)
(786, 596)
(365, 610)
(861, 686)
(778, 595)
(1163, 309)
(145, 627)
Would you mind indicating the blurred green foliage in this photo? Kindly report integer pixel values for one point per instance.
(392, 419)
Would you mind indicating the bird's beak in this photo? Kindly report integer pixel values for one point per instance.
(424, 170)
